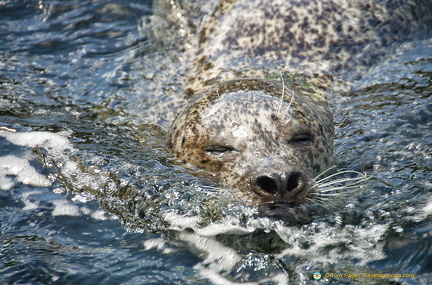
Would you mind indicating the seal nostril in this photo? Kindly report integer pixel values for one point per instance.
(293, 181)
(267, 184)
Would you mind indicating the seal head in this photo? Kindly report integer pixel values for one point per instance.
(258, 136)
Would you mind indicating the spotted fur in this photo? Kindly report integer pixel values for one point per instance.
(255, 37)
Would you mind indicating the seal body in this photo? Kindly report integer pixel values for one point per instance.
(254, 37)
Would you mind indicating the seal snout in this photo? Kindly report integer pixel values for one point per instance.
(287, 187)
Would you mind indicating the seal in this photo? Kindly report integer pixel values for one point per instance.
(268, 139)
(258, 136)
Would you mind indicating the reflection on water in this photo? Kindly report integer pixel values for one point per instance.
(89, 194)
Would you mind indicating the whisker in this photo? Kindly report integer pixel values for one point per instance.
(217, 93)
(325, 171)
(355, 180)
(310, 200)
(289, 105)
(325, 203)
(339, 173)
(333, 189)
(322, 198)
(324, 192)
(283, 93)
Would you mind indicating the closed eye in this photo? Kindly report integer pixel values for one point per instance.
(218, 149)
(302, 139)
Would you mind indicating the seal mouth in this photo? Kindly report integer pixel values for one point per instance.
(290, 215)
(285, 188)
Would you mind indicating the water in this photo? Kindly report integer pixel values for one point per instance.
(90, 195)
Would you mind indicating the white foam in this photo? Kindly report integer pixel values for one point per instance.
(428, 208)
(98, 215)
(228, 225)
(223, 228)
(423, 213)
(364, 243)
(24, 172)
(64, 208)
(154, 243)
(58, 147)
(28, 203)
(6, 183)
(179, 222)
(160, 244)
(56, 143)
(218, 279)
(222, 258)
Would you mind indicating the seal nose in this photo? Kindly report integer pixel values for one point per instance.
(282, 186)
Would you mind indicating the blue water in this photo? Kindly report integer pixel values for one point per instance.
(90, 195)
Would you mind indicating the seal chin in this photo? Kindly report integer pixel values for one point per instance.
(290, 215)
(285, 188)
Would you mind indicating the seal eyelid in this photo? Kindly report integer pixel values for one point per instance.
(301, 139)
(218, 149)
